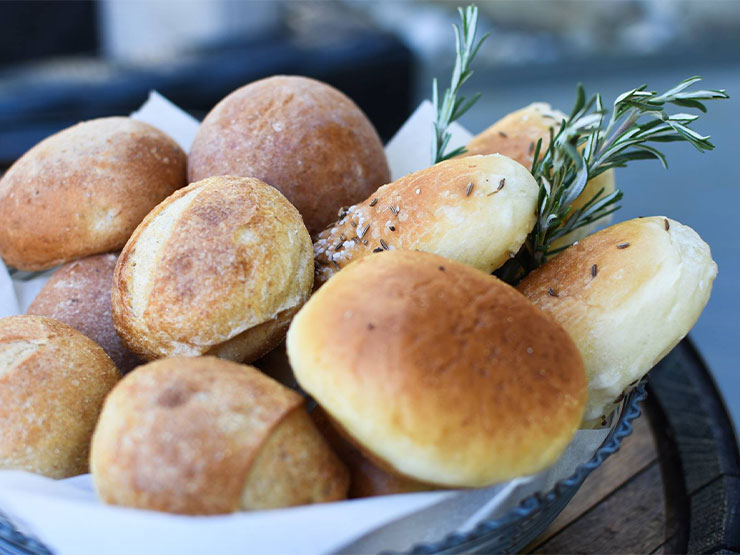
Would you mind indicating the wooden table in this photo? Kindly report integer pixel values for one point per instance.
(674, 486)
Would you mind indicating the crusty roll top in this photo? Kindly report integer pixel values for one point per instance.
(441, 371)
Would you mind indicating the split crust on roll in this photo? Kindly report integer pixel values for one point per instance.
(439, 371)
(626, 295)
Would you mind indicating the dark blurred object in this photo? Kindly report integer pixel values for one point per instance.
(32, 30)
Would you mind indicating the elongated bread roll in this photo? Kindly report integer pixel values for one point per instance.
(475, 210)
(516, 134)
(217, 268)
(626, 295)
(206, 436)
(439, 371)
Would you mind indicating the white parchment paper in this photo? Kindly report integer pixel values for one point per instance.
(67, 516)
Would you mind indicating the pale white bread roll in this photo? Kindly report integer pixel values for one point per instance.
(53, 381)
(206, 436)
(438, 371)
(475, 210)
(626, 295)
(217, 268)
(516, 135)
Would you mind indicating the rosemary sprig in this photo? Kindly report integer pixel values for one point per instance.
(591, 141)
(453, 106)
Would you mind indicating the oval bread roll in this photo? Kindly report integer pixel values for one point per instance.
(626, 295)
(207, 436)
(219, 268)
(439, 371)
(516, 135)
(301, 136)
(53, 381)
(84, 190)
(78, 294)
(475, 210)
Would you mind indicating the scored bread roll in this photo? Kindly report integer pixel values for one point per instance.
(626, 295)
(217, 268)
(475, 210)
(516, 135)
(53, 380)
(207, 436)
(439, 371)
(78, 294)
(301, 136)
(84, 190)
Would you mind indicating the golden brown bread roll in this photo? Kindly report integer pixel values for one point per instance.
(442, 372)
(475, 210)
(78, 294)
(217, 268)
(516, 134)
(53, 381)
(84, 190)
(206, 436)
(297, 134)
(626, 295)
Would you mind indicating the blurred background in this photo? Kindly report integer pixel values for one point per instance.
(62, 62)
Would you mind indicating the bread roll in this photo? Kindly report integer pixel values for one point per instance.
(626, 295)
(516, 135)
(208, 436)
(84, 190)
(475, 210)
(217, 268)
(53, 381)
(78, 294)
(439, 371)
(297, 134)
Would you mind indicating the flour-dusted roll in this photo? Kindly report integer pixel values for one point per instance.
(301, 136)
(53, 380)
(207, 436)
(217, 268)
(84, 190)
(626, 295)
(516, 135)
(439, 371)
(78, 294)
(475, 210)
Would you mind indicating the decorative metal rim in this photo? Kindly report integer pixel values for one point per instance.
(563, 490)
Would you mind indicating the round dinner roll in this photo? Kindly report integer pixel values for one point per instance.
(301, 136)
(219, 268)
(626, 295)
(53, 381)
(84, 190)
(516, 135)
(208, 436)
(78, 294)
(439, 371)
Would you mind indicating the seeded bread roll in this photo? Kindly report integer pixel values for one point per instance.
(626, 295)
(208, 436)
(84, 190)
(475, 210)
(516, 135)
(53, 381)
(218, 268)
(301, 136)
(78, 294)
(439, 371)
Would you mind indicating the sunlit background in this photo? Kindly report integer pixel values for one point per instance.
(62, 62)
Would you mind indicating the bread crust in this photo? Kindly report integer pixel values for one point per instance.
(476, 210)
(626, 295)
(53, 380)
(443, 372)
(84, 190)
(219, 267)
(301, 136)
